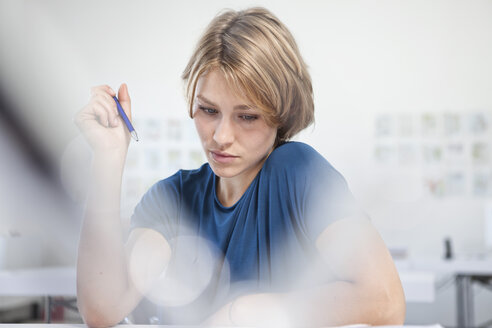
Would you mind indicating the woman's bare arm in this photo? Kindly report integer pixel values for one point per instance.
(112, 274)
(365, 287)
(370, 290)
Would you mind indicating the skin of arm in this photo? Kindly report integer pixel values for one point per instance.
(112, 276)
(364, 287)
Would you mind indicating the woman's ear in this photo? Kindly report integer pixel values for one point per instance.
(277, 142)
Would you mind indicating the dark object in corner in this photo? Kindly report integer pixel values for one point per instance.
(448, 250)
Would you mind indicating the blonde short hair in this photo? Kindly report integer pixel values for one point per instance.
(259, 57)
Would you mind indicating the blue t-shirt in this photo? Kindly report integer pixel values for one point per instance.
(268, 236)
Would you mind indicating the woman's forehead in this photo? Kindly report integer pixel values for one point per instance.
(213, 86)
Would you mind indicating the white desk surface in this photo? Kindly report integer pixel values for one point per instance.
(52, 281)
(440, 266)
(155, 326)
(419, 287)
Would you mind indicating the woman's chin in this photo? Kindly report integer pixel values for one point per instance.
(223, 172)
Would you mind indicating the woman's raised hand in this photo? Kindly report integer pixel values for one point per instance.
(100, 122)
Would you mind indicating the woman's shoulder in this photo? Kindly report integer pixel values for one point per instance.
(183, 179)
(299, 162)
(294, 146)
(294, 154)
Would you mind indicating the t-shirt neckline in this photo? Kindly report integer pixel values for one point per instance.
(254, 181)
(230, 208)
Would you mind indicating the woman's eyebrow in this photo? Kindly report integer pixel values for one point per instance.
(211, 103)
(202, 98)
(242, 107)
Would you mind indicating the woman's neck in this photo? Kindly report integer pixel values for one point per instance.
(230, 190)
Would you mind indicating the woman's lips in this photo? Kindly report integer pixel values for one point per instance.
(222, 158)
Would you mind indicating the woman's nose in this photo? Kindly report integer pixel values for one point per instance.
(224, 133)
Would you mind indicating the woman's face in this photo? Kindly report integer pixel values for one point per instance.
(234, 135)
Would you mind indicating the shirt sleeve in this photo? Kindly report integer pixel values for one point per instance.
(159, 208)
(318, 192)
(327, 198)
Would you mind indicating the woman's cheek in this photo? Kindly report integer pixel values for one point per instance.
(198, 125)
(203, 126)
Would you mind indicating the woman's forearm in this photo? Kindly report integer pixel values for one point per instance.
(332, 304)
(102, 277)
(343, 303)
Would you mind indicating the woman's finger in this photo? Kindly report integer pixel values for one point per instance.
(101, 113)
(105, 88)
(125, 101)
(110, 104)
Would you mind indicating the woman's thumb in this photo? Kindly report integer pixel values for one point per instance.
(125, 101)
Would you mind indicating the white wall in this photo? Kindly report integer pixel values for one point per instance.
(365, 57)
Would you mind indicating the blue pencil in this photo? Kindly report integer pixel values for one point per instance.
(125, 118)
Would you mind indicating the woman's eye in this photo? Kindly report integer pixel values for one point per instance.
(248, 118)
(207, 110)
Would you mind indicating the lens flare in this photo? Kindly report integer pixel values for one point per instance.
(189, 271)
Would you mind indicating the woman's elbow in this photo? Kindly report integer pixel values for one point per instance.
(396, 313)
(393, 308)
(99, 321)
(95, 318)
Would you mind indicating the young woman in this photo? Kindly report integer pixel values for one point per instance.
(289, 243)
